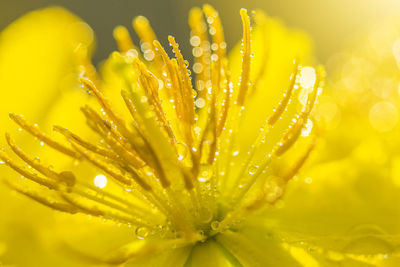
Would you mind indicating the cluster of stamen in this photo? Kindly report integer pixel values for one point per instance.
(171, 160)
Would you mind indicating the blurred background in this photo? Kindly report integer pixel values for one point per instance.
(331, 23)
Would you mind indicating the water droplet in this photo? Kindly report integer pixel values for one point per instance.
(205, 173)
(369, 245)
(143, 99)
(197, 51)
(195, 40)
(200, 102)
(368, 239)
(215, 225)
(197, 130)
(214, 46)
(253, 169)
(307, 128)
(141, 232)
(182, 151)
(100, 181)
(307, 77)
(366, 229)
(163, 229)
(273, 188)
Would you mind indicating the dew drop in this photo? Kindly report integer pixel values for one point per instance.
(182, 151)
(369, 245)
(205, 173)
(200, 102)
(100, 181)
(141, 232)
(197, 51)
(143, 99)
(367, 239)
(195, 40)
(214, 46)
(253, 169)
(307, 128)
(163, 230)
(215, 225)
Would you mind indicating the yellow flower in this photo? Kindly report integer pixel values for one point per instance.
(180, 170)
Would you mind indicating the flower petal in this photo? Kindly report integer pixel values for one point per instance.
(256, 249)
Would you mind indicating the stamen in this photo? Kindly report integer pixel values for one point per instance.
(112, 171)
(102, 196)
(54, 204)
(94, 148)
(33, 130)
(101, 212)
(36, 165)
(27, 174)
(201, 50)
(147, 37)
(151, 131)
(300, 162)
(150, 85)
(290, 137)
(246, 48)
(216, 30)
(173, 85)
(262, 24)
(109, 133)
(187, 90)
(278, 111)
(225, 105)
(119, 122)
(123, 39)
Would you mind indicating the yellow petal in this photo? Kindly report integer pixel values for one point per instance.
(256, 249)
(38, 78)
(217, 256)
(38, 60)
